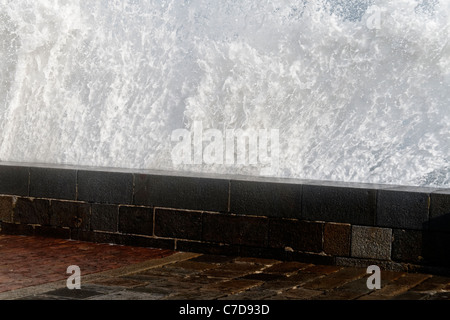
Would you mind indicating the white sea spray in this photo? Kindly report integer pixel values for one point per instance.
(104, 83)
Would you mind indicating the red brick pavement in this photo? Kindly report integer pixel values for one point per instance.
(30, 261)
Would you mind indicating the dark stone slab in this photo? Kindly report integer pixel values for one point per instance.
(136, 220)
(440, 211)
(104, 217)
(336, 239)
(14, 180)
(403, 208)
(178, 224)
(253, 231)
(105, 187)
(214, 230)
(6, 209)
(70, 214)
(265, 199)
(339, 204)
(32, 211)
(53, 183)
(295, 234)
(371, 242)
(233, 229)
(181, 192)
(407, 246)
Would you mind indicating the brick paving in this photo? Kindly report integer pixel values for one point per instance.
(30, 261)
(34, 268)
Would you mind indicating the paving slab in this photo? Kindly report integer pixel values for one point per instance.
(34, 268)
(397, 287)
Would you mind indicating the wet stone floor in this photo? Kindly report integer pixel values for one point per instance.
(35, 268)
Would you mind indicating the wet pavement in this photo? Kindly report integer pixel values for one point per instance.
(34, 268)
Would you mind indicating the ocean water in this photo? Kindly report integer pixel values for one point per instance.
(359, 90)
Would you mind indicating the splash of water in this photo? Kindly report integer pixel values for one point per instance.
(104, 83)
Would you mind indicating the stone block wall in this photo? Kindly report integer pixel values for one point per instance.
(395, 227)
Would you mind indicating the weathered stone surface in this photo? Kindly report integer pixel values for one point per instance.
(242, 230)
(53, 183)
(436, 283)
(253, 231)
(118, 282)
(207, 248)
(396, 287)
(407, 245)
(105, 187)
(371, 242)
(32, 211)
(70, 214)
(295, 234)
(364, 263)
(6, 209)
(298, 294)
(73, 294)
(321, 269)
(214, 231)
(232, 286)
(286, 267)
(410, 295)
(128, 295)
(210, 258)
(339, 204)
(256, 260)
(265, 199)
(232, 270)
(178, 224)
(224, 274)
(440, 211)
(335, 279)
(104, 217)
(149, 242)
(136, 220)
(264, 276)
(14, 180)
(348, 291)
(255, 293)
(403, 208)
(193, 265)
(336, 239)
(181, 192)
